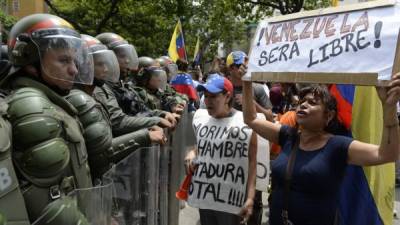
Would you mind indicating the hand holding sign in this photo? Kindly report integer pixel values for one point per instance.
(390, 95)
(247, 210)
(337, 45)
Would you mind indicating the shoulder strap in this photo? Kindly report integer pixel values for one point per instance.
(288, 177)
(104, 91)
(54, 97)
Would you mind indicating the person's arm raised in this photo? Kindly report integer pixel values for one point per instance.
(264, 128)
(361, 153)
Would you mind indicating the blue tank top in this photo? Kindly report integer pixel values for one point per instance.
(315, 182)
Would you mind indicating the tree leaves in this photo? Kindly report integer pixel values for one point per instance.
(149, 24)
(6, 22)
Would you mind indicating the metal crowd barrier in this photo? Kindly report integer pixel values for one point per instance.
(181, 140)
(145, 182)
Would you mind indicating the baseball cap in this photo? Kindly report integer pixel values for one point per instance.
(236, 57)
(216, 84)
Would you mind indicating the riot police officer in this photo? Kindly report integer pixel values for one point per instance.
(171, 68)
(151, 81)
(103, 149)
(115, 96)
(48, 149)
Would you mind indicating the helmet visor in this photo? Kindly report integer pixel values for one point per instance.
(127, 57)
(161, 77)
(163, 80)
(65, 58)
(172, 69)
(106, 66)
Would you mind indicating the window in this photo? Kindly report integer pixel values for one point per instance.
(15, 5)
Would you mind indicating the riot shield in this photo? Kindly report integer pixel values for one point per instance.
(181, 141)
(136, 188)
(88, 206)
(95, 203)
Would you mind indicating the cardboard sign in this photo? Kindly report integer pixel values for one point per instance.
(263, 164)
(263, 161)
(220, 180)
(338, 46)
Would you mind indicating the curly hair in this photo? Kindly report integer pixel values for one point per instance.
(321, 92)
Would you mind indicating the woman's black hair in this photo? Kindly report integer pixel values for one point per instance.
(322, 93)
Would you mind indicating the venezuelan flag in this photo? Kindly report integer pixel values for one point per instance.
(176, 48)
(197, 53)
(183, 83)
(367, 193)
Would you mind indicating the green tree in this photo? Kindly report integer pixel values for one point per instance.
(6, 21)
(266, 7)
(148, 24)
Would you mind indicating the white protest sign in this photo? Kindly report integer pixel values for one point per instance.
(220, 180)
(263, 164)
(348, 42)
(263, 161)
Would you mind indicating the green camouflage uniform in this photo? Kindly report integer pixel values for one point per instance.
(160, 100)
(103, 149)
(48, 152)
(179, 98)
(122, 123)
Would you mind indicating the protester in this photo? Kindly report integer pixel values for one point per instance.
(197, 75)
(219, 129)
(218, 66)
(233, 62)
(308, 193)
(263, 104)
(275, 95)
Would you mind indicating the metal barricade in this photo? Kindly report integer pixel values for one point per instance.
(181, 140)
(95, 203)
(145, 182)
(164, 183)
(87, 206)
(136, 188)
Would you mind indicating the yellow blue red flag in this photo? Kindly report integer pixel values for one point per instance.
(197, 53)
(176, 48)
(367, 193)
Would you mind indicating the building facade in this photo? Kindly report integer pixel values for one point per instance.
(21, 8)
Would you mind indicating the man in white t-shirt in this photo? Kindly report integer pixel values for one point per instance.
(223, 182)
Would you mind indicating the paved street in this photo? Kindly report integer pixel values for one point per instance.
(190, 216)
(397, 207)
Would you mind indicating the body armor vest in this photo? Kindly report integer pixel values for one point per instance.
(9, 186)
(97, 131)
(48, 148)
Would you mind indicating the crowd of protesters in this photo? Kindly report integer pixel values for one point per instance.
(75, 105)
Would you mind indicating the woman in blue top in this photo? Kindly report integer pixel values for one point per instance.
(321, 156)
